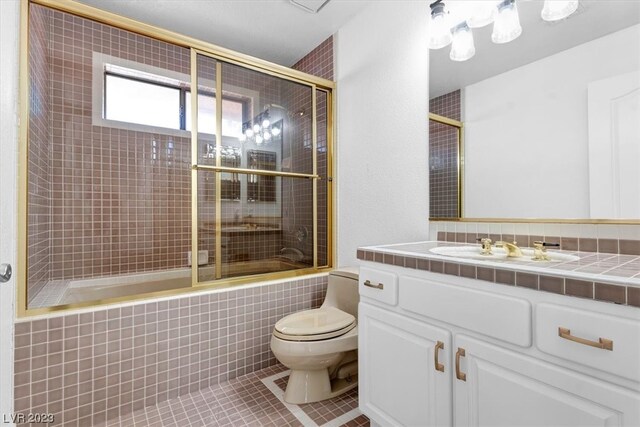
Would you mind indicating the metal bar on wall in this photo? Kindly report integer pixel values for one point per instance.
(314, 157)
(257, 171)
(218, 173)
(194, 170)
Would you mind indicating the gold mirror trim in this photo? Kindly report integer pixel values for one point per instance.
(542, 220)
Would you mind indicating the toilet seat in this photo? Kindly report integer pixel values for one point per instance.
(313, 325)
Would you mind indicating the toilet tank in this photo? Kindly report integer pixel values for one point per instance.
(342, 290)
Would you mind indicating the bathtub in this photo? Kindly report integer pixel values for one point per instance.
(102, 288)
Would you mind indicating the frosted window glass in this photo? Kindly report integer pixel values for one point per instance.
(231, 115)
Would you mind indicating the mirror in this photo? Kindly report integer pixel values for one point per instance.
(261, 188)
(550, 119)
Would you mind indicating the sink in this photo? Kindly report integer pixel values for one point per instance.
(499, 254)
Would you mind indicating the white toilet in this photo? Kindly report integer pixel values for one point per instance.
(320, 346)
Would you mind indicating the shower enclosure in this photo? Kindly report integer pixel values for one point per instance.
(155, 163)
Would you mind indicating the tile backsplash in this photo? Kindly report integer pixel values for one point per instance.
(609, 238)
(88, 367)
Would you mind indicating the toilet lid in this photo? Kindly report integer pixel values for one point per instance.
(320, 321)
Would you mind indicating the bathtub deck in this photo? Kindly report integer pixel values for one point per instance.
(254, 399)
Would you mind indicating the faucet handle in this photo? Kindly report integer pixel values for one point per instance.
(486, 245)
(543, 245)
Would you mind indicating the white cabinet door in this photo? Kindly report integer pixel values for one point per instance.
(504, 388)
(398, 380)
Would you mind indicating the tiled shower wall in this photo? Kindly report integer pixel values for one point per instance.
(39, 180)
(100, 204)
(443, 157)
(318, 62)
(88, 367)
(113, 209)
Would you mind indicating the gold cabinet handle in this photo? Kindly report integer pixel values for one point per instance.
(460, 375)
(439, 366)
(371, 285)
(602, 343)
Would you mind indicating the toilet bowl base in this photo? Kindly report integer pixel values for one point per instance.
(314, 386)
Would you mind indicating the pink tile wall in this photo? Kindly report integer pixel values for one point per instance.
(318, 62)
(89, 367)
(443, 158)
(39, 179)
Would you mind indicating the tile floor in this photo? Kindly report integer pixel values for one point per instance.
(254, 399)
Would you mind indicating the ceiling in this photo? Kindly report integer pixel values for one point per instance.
(274, 30)
(539, 39)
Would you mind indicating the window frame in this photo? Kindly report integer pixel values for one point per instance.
(248, 98)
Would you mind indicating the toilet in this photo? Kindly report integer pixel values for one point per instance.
(320, 346)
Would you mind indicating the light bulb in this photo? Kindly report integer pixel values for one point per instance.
(258, 139)
(267, 136)
(249, 133)
(265, 123)
(462, 47)
(275, 131)
(256, 128)
(558, 9)
(439, 29)
(481, 13)
(506, 27)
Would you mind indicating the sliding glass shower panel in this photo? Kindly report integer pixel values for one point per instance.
(277, 233)
(108, 162)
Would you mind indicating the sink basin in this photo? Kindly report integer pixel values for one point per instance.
(499, 254)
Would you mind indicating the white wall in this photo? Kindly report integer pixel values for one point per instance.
(526, 131)
(382, 78)
(9, 24)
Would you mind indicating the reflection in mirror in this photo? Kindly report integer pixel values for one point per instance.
(550, 118)
(261, 188)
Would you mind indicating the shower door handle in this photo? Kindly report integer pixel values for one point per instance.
(5, 272)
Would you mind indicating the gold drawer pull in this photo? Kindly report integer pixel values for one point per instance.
(371, 285)
(460, 375)
(439, 366)
(602, 343)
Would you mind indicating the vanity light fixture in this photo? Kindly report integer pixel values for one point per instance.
(462, 47)
(260, 129)
(554, 10)
(455, 20)
(440, 32)
(506, 27)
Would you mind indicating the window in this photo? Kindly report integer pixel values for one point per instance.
(136, 97)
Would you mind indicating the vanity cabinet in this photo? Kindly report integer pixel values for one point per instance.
(403, 379)
(442, 351)
(505, 388)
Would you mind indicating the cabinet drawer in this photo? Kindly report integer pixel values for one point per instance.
(588, 332)
(503, 317)
(379, 285)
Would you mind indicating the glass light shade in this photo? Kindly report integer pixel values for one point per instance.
(249, 133)
(258, 139)
(265, 123)
(462, 47)
(481, 13)
(256, 128)
(267, 136)
(506, 27)
(555, 10)
(275, 131)
(439, 32)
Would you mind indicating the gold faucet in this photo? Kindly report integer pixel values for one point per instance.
(512, 250)
(540, 250)
(486, 246)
